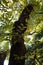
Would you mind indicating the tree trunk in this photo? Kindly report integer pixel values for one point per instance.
(17, 53)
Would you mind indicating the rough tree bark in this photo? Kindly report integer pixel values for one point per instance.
(17, 53)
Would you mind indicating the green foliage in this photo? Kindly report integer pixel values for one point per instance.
(39, 27)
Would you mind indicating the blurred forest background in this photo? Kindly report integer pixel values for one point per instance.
(10, 11)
